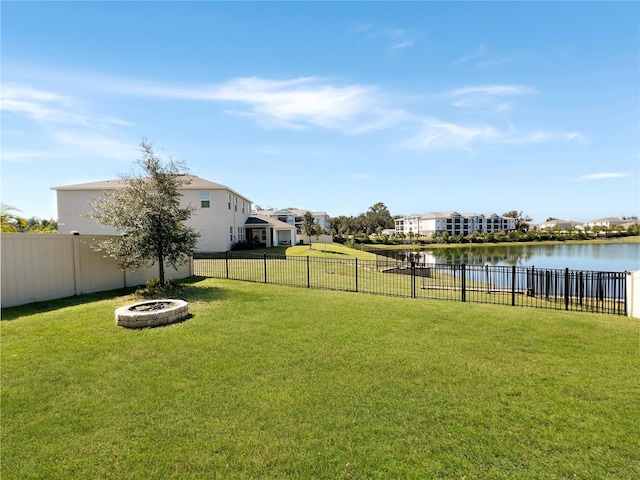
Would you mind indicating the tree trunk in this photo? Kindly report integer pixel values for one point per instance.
(161, 265)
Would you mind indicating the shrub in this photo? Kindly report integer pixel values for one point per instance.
(246, 245)
(154, 289)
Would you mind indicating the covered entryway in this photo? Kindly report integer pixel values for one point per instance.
(269, 232)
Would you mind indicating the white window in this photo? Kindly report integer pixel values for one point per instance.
(241, 234)
(242, 206)
(231, 233)
(229, 201)
(205, 200)
(235, 203)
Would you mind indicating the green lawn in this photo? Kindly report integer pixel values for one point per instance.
(329, 250)
(270, 382)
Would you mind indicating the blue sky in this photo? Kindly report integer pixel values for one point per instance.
(334, 106)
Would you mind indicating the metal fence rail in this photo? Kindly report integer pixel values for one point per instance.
(561, 289)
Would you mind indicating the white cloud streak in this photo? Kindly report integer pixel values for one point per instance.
(298, 102)
(602, 176)
(302, 103)
(47, 107)
(487, 96)
(439, 135)
(477, 53)
(394, 38)
(93, 145)
(294, 104)
(24, 156)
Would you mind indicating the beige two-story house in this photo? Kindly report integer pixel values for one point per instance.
(222, 215)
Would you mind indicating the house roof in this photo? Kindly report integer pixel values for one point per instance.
(292, 211)
(259, 219)
(608, 219)
(194, 183)
(558, 221)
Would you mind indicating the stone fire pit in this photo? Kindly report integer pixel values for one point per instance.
(152, 313)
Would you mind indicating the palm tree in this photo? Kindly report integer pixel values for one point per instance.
(10, 221)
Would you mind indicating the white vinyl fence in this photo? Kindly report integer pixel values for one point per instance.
(39, 267)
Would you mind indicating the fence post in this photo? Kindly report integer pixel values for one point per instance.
(356, 274)
(486, 279)
(513, 285)
(632, 294)
(308, 273)
(265, 266)
(463, 276)
(566, 289)
(77, 268)
(413, 279)
(226, 263)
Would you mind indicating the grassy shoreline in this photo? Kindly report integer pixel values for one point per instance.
(277, 382)
(626, 240)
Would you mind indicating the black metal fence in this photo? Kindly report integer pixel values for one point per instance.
(589, 291)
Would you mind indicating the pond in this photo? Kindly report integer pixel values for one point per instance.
(610, 257)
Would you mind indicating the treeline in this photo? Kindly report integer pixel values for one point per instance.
(36, 225)
(373, 221)
(12, 222)
(532, 235)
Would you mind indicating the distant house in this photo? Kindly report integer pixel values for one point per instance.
(606, 222)
(557, 223)
(222, 216)
(295, 217)
(453, 223)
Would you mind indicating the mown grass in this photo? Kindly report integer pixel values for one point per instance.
(274, 382)
(327, 250)
(378, 277)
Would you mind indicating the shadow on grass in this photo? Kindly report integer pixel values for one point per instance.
(150, 327)
(192, 291)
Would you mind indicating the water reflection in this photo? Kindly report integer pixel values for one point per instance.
(605, 257)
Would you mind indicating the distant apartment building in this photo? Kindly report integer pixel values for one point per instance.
(295, 217)
(453, 223)
(608, 222)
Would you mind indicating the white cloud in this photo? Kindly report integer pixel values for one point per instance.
(574, 136)
(602, 176)
(480, 52)
(400, 45)
(295, 104)
(486, 96)
(439, 135)
(299, 102)
(491, 90)
(477, 53)
(96, 145)
(47, 107)
(72, 130)
(24, 155)
(393, 38)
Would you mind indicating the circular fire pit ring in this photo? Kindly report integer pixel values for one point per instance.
(152, 313)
